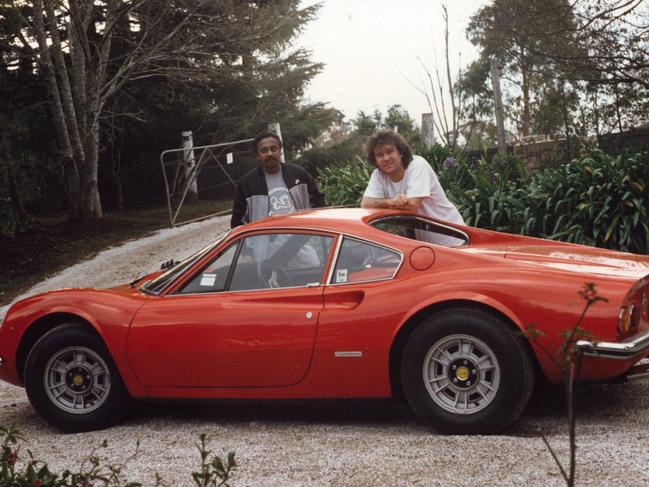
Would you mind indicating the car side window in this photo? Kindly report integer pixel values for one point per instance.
(360, 261)
(213, 278)
(281, 260)
(265, 261)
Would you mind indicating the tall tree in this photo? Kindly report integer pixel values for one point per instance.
(512, 31)
(577, 53)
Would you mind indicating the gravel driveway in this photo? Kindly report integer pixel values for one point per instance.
(353, 443)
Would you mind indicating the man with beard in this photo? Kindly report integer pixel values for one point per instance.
(273, 188)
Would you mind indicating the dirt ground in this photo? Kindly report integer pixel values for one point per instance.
(341, 443)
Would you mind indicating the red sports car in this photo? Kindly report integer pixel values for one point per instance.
(335, 303)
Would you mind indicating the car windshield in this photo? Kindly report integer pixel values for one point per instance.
(416, 228)
(157, 285)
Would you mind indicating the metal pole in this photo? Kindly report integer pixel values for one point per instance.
(496, 70)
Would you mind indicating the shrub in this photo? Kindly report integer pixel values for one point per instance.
(599, 200)
(344, 185)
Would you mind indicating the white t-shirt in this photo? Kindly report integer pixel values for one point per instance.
(419, 181)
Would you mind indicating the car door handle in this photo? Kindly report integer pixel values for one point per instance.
(343, 299)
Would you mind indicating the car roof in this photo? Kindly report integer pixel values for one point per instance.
(327, 219)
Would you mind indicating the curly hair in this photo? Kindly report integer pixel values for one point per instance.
(385, 137)
(265, 135)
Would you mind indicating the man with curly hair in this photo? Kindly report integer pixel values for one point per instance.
(404, 181)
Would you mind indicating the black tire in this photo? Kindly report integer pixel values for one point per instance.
(480, 386)
(72, 381)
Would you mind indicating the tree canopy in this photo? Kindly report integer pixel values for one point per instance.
(575, 67)
(223, 67)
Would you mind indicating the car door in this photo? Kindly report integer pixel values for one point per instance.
(248, 318)
(362, 305)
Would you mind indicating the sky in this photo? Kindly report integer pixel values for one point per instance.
(370, 49)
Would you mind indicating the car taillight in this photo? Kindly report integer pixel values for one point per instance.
(628, 319)
(635, 317)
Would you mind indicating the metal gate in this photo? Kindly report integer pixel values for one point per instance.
(200, 181)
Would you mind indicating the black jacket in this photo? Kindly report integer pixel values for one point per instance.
(251, 196)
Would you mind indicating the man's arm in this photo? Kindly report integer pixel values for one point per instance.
(414, 203)
(400, 202)
(239, 208)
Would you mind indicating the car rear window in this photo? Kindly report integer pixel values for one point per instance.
(420, 229)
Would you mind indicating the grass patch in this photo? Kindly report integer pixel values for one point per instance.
(52, 243)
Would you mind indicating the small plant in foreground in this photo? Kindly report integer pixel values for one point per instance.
(19, 471)
(569, 361)
(29, 472)
(214, 471)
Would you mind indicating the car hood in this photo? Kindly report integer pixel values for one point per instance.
(574, 258)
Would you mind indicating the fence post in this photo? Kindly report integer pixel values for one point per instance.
(189, 162)
(427, 129)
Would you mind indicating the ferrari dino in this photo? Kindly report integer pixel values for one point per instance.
(335, 303)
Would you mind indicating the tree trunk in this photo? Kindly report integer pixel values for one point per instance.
(58, 88)
(617, 107)
(525, 119)
(90, 201)
(566, 123)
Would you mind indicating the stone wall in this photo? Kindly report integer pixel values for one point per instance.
(539, 155)
(617, 143)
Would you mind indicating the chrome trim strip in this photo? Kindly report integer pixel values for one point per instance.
(615, 350)
(214, 293)
(334, 260)
(348, 354)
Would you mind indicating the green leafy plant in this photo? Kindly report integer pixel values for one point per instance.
(344, 185)
(18, 470)
(215, 472)
(599, 200)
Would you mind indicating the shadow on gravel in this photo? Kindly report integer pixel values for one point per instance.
(335, 412)
(596, 404)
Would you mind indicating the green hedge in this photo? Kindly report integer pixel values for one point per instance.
(598, 200)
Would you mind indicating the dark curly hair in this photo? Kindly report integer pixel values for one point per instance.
(265, 135)
(384, 137)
